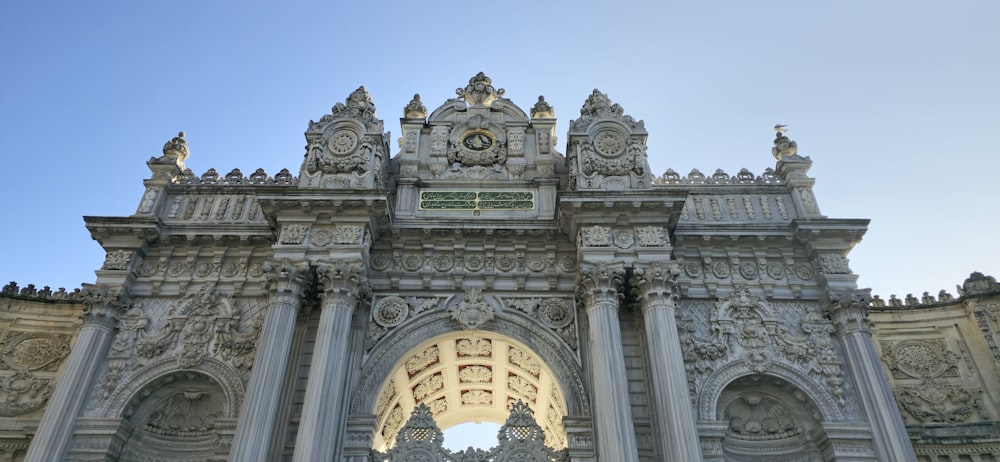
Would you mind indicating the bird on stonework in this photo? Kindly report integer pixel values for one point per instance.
(780, 128)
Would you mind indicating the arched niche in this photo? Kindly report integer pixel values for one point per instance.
(710, 394)
(768, 419)
(177, 416)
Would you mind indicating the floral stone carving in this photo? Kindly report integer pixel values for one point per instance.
(22, 393)
(760, 418)
(34, 350)
(746, 328)
(197, 326)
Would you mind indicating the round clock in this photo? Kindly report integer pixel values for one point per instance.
(477, 140)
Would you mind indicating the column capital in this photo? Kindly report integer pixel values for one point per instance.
(848, 309)
(285, 277)
(342, 281)
(600, 281)
(654, 284)
(103, 305)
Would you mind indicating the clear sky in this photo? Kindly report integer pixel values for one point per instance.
(896, 102)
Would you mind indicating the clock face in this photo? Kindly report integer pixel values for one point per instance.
(477, 140)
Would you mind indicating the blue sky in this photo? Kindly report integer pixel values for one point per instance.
(896, 102)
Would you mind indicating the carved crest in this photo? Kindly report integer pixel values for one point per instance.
(473, 312)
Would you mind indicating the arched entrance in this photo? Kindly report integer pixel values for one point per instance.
(470, 376)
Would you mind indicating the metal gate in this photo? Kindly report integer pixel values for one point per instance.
(521, 439)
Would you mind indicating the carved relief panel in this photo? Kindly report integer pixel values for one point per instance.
(189, 331)
(929, 387)
(32, 358)
(760, 335)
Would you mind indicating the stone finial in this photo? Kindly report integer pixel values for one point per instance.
(358, 105)
(599, 105)
(415, 109)
(978, 283)
(176, 148)
(783, 146)
(542, 109)
(479, 91)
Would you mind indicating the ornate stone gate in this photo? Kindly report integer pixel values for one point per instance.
(476, 274)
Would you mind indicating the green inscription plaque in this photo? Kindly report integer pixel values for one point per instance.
(477, 200)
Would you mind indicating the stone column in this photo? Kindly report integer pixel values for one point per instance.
(849, 312)
(599, 290)
(55, 430)
(654, 288)
(343, 284)
(257, 420)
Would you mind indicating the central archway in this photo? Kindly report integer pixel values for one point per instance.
(470, 376)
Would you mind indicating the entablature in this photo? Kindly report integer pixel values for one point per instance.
(123, 232)
(452, 258)
(830, 234)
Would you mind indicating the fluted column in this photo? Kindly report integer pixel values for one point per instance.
(849, 312)
(343, 284)
(56, 427)
(599, 289)
(257, 420)
(654, 288)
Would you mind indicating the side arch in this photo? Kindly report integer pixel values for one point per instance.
(228, 380)
(717, 382)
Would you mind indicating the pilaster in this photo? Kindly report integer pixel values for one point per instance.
(103, 306)
(599, 288)
(653, 286)
(343, 284)
(286, 283)
(849, 312)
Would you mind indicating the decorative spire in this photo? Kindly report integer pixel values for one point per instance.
(176, 148)
(415, 109)
(479, 91)
(783, 147)
(599, 105)
(359, 105)
(542, 109)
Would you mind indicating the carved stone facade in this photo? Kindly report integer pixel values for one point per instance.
(942, 358)
(596, 310)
